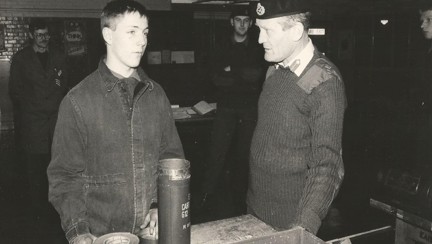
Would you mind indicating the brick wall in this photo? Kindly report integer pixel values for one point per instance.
(15, 35)
(15, 14)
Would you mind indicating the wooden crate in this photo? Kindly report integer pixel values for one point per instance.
(409, 233)
(247, 229)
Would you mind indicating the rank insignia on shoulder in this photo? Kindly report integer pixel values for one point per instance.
(320, 72)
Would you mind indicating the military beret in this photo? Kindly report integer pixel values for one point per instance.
(267, 9)
(240, 12)
(424, 5)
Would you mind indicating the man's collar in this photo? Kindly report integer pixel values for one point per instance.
(133, 75)
(301, 60)
(245, 41)
(37, 49)
(111, 81)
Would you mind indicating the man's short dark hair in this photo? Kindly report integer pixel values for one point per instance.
(117, 8)
(303, 18)
(37, 24)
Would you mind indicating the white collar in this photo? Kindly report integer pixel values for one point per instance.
(304, 57)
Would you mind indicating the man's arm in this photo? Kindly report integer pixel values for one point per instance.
(15, 81)
(171, 146)
(65, 172)
(326, 169)
(220, 69)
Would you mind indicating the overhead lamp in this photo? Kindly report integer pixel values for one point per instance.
(384, 21)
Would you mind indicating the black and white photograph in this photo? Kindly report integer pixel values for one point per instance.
(216, 121)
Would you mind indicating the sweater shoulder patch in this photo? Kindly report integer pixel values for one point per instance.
(320, 72)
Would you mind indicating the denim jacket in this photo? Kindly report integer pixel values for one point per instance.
(103, 172)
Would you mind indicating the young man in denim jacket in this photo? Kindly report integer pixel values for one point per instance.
(113, 128)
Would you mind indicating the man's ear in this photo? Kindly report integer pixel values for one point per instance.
(31, 35)
(297, 31)
(107, 35)
(232, 22)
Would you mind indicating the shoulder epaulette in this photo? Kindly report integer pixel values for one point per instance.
(320, 71)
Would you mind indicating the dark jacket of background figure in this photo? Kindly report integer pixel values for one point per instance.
(238, 90)
(240, 87)
(106, 151)
(420, 110)
(36, 93)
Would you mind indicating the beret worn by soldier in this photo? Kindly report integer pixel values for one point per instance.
(240, 12)
(267, 9)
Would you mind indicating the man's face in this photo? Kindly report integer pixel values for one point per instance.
(128, 41)
(278, 42)
(241, 24)
(426, 23)
(40, 38)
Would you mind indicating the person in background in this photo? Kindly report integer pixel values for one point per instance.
(238, 73)
(113, 128)
(296, 166)
(38, 82)
(422, 93)
(426, 27)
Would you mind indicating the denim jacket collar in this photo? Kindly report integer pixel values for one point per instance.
(111, 81)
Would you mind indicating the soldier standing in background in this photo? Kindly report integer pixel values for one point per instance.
(38, 83)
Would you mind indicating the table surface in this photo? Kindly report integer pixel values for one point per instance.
(187, 114)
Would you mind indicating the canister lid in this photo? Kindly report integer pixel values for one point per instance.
(117, 238)
(175, 168)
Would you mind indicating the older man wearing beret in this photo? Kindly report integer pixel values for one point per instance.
(296, 165)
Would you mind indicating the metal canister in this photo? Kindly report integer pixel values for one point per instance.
(148, 239)
(174, 201)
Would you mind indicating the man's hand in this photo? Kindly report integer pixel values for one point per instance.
(150, 226)
(84, 239)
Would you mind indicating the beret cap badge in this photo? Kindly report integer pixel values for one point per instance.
(267, 9)
(260, 10)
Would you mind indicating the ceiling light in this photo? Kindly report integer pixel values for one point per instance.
(384, 21)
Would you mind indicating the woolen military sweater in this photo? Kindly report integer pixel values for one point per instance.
(296, 163)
